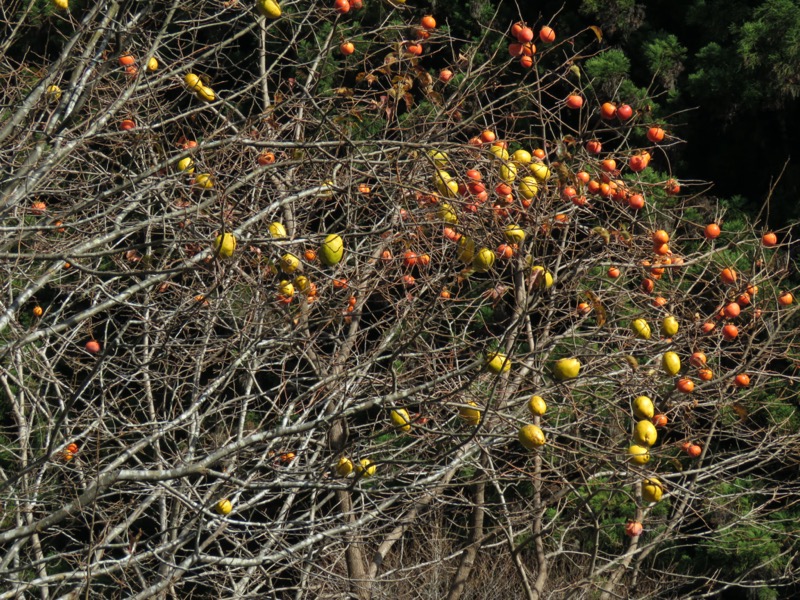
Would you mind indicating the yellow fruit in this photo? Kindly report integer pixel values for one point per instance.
(277, 230)
(331, 250)
(540, 172)
(289, 263)
(508, 172)
(567, 368)
(671, 363)
(522, 157)
(439, 158)
(302, 283)
(514, 233)
(53, 94)
(445, 184)
(205, 93)
(192, 82)
(225, 244)
(186, 165)
(669, 326)
(497, 362)
(269, 8)
(152, 64)
(640, 455)
(531, 437)
(643, 407)
(204, 181)
(528, 187)
(62, 4)
(401, 419)
(641, 329)
(286, 289)
(645, 433)
(466, 249)
(483, 260)
(499, 152)
(224, 507)
(365, 468)
(537, 406)
(447, 213)
(327, 191)
(344, 467)
(470, 415)
(545, 282)
(652, 490)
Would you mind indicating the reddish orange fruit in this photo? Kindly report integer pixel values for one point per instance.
(428, 22)
(613, 272)
(730, 332)
(705, 374)
(732, 310)
(660, 420)
(712, 231)
(694, 450)
(660, 237)
(633, 529)
(648, 285)
(742, 380)
(785, 299)
(547, 35)
(769, 239)
(574, 101)
(655, 134)
(608, 110)
(93, 346)
(728, 276)
(685, 385)
(698, 359)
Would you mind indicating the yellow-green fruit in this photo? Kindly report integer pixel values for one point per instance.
(331, 250)
(445, 184)
(640, 455)
(439, 158)
(269, 8)
(192, 82)
(531, 437)
(497, 362)
(669, 326)
(401, 419)
(645, 433)
(152, 64)
(289, 263)
(522, 157)
(499, 152)
(652, 490)
(205, 93)
(224, 506)
(545, 280)
(302, 283)
(286, 289)
(466, 249)
(344, 467)
(567, 368)
(62, 4)
(204, 181)
(540, 171)
(514, 233)
(365, 468)
(327, 187)
(483, 260)
(508, 172)
(53, 93)
(186, 165)
(277, 230)
(528, 187)
(643, 407)
(641, 329)
(671, 363)
(537, 406)
(447, 213)
(225, 244)
(469, 414)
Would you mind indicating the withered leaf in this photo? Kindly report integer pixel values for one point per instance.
(600, 314)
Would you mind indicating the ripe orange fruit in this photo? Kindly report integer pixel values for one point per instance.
(698, 359)
(574, 101)
(613, 272)
(38, 311)
(127, 60)
(685, 385)
(660, 420)
(347, 48)
(730, 332)
(428, 22)
(659, 301)
(660, 237)
(742, 380)
(584, 308)
(488, 136)
(707, 327)
(266, 158)
(93, 346)
(769, 239)
(655, 134)
(410, 258)
(444, 294)
(310, 255)
(694, 450)
(608, 110)
(785, 299)
(547, 35)
(728, 276)
(732, 310)
(705, 374)
(648, 285)
(712, 231)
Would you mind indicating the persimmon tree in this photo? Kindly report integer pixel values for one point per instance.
(288, 317)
